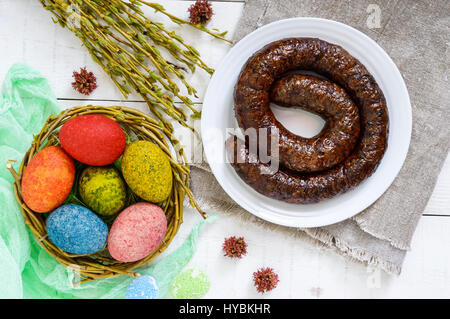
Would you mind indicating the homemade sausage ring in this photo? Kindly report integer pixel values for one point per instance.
(252, 111)
(340, 134)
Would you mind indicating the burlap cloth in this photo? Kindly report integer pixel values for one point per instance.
(416, 36)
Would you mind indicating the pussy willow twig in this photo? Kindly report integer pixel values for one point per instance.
(127, 44)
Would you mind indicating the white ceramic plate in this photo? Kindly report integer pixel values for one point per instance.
(218, 115)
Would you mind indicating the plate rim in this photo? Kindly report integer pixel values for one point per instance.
(307, 221)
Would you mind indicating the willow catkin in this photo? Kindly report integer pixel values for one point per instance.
(127, 44)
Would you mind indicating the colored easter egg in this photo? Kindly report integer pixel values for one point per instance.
(93, 139)
(76, 230)
(147, 171)
(137, 232)
(102, 190)
(143, 287)
(190, 284)
(48, 179)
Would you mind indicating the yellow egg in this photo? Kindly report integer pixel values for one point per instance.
(147, 171)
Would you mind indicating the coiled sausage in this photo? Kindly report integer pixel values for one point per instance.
(252, 110)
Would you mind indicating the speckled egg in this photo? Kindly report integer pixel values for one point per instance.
(93, 139)
(143, 287)
(137, 232)
(147, 171)
(76, 230)
(102, 190)
(48, 179)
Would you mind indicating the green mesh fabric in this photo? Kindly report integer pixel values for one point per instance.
(26, 270)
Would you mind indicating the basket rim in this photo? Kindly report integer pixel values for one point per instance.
(85, 265)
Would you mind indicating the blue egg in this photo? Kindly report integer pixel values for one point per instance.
(143, 287)
(76, 230)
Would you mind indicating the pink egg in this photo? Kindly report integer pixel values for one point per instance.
(137, 232)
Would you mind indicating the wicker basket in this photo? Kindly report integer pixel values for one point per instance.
(100, 265)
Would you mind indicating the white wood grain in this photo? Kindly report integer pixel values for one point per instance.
(303, 268)
(27, 34)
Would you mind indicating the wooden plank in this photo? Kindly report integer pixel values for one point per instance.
(30, 36)
(439, 203)
(305, 271)
(308, 272)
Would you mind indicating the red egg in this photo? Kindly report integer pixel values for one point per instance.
(137, 232)
(48, 179)
(93, 139)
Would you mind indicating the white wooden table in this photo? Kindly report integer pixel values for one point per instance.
(27, 34)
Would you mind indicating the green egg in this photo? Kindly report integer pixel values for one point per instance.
(147, 171)
(102, 190)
